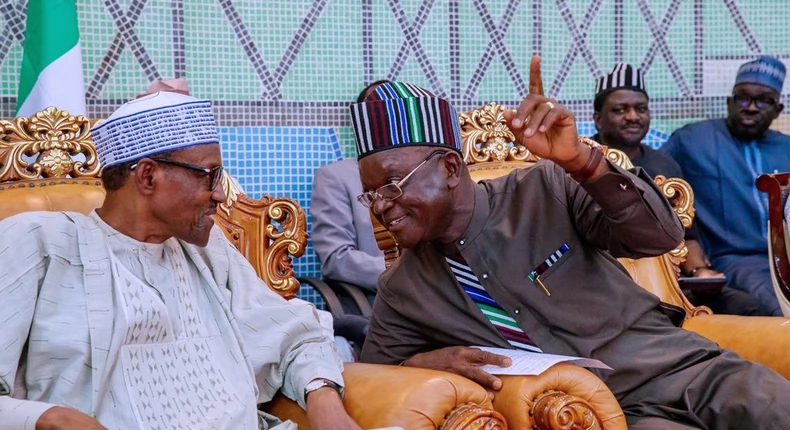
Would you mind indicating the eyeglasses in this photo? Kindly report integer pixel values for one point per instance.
(393, 190)
(761, 102)
(215, 174)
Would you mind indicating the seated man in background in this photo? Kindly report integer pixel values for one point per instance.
(622, 118)
(343, 238)
(721, 159)
(527, 261)
(342, 231)
(142, 314)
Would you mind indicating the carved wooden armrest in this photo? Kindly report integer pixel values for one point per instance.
(407, 397)
(269, 232)
(470, 416)
(555, 409)
(680, 195)
(563, 397)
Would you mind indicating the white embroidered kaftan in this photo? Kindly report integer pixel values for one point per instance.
(140, 335)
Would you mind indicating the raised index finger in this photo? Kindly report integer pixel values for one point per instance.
(535, 80)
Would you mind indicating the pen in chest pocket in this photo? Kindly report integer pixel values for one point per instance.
(555, 256)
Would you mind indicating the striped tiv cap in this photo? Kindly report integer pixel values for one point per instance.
(622, 77)
(398, 113)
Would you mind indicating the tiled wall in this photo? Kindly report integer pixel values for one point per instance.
(282, 73)
(281, 161)
(300, 62)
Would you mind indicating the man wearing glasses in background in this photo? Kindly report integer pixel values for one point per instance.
(721, 159)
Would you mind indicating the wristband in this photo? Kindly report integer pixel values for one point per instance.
(316, 384)
(596, 154)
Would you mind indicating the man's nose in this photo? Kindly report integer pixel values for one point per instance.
(381, 205)
(631, 115)
(218, 194)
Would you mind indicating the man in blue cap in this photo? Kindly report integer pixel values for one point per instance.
(721, 158)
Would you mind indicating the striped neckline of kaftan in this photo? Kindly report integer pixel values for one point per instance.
(496, 315)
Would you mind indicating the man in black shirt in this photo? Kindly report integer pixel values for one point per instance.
(622, 118)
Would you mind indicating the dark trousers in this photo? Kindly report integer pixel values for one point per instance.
(728, 301)
(667, 373)
(751, 274)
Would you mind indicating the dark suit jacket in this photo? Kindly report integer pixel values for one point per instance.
(342, 231)
(595, 309)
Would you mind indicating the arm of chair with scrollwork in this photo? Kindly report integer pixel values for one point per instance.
(564, 396)
(269, 232)
(407, 397)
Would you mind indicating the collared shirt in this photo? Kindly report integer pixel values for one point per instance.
(519, 221)
(731, 213)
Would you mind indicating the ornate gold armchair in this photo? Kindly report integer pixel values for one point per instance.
(48, 163)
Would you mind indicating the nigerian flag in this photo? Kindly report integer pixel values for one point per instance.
(51, 72)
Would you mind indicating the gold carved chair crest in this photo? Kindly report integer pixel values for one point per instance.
(48, 162)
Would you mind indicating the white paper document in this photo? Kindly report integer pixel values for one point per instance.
(533, 363)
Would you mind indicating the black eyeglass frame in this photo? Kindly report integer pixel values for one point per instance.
(762, 102)
(214, 173)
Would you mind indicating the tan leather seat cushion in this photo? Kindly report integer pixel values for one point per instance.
(75, 195)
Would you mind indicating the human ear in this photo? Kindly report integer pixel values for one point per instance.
(453, 165)
(144, 176)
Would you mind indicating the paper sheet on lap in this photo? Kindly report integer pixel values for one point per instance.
(531, 363)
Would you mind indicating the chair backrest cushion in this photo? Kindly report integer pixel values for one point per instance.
(72, 195)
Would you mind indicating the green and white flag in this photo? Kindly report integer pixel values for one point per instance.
(52, 63)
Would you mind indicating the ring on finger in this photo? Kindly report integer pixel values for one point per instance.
(551, 105)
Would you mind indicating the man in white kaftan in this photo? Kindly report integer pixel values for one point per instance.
(159, 334)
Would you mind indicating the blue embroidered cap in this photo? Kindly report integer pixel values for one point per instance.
(767, 71)
(157, 123)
